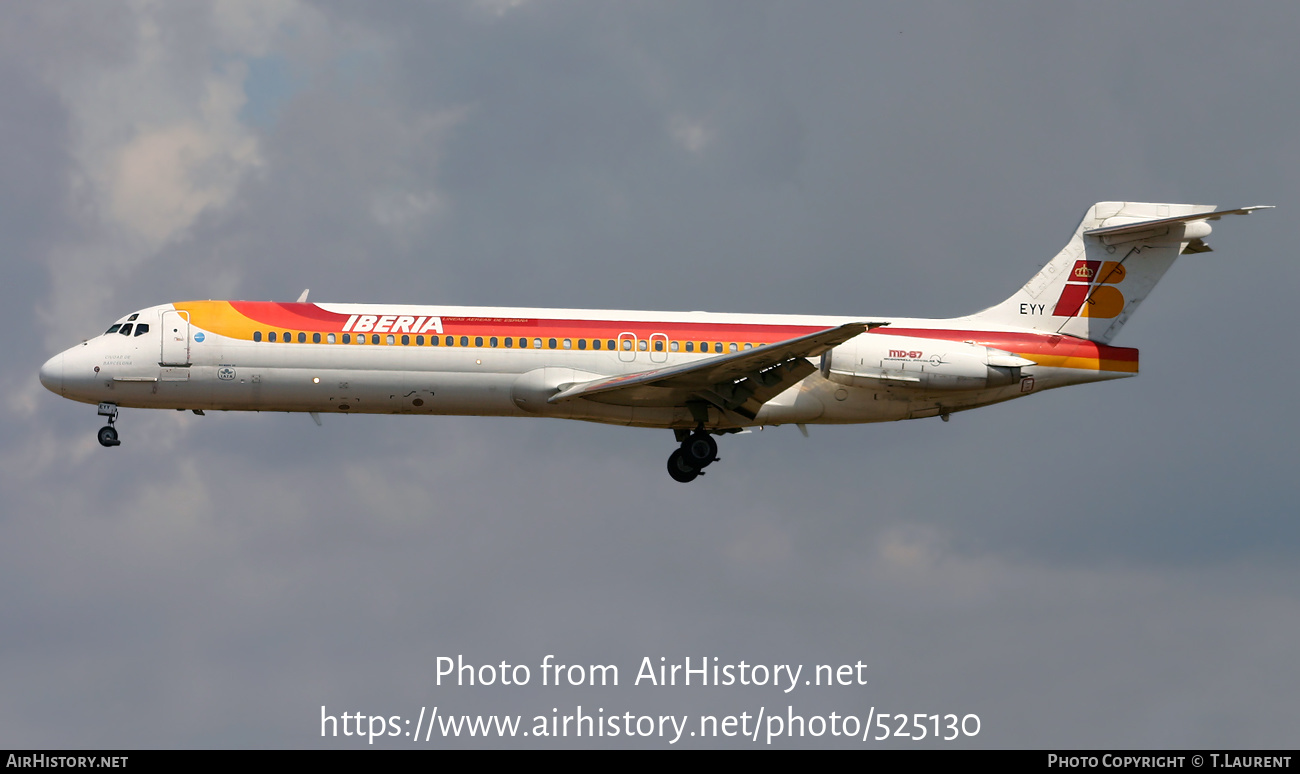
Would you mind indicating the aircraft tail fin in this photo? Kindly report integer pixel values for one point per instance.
(1117, 255)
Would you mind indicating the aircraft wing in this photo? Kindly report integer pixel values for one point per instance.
(738, 381)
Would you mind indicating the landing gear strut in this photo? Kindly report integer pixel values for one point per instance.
(108, 434)
(697, 452)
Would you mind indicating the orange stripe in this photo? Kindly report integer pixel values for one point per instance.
(1082, 363)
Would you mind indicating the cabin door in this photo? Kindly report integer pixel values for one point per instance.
(175, 338)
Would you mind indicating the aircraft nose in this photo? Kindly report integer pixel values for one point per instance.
(52, 374)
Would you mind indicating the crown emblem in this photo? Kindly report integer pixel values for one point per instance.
(1083, 272)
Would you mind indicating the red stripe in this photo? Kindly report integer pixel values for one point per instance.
(1022, 343)
(296, 316)
(310, 317)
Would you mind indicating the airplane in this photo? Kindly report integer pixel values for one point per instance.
(699, 374)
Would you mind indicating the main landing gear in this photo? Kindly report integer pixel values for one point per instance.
(697, 452)
(108, 434)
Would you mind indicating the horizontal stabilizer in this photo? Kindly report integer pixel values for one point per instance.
(1147, 225)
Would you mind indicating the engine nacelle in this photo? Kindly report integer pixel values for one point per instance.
(877, 360)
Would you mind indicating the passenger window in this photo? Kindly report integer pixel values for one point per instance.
(126, 330)
(582, 343)
(464, 341)
(568, 344)
(748, 345)
(492, 342)
(374, 338)
(434, 341)
(387, 339)
(673, 346)
(595, 344)
(141, 328)
(288, 337)
(315, 338)
(641, 345)
(610, 343)
(406, 340)
(113, 329)
(361, 338)
(550, 343)
(717, 346)
(302, 338)
(347, 338)
(257, 335)
(690, 346)
(419, 341)
(659, 345)
(627, 345)
(509, 342)
(451, 341)
(329, 338)
(537, 343)
(478, 341)
(731, 347)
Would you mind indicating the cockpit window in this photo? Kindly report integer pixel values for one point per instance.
(126, 330)
(113, 329)
(132, 317)
(141, 329)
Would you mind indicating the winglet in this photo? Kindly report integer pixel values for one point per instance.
(303, 297)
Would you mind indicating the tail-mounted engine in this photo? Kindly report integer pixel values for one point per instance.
(877, 360)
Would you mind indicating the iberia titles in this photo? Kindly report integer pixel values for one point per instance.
(390, 323)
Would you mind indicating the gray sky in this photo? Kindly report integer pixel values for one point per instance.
(1109, 565)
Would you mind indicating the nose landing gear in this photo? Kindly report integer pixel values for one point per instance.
(698, 451)
(108, 434)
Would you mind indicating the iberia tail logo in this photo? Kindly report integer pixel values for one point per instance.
(1090, 290)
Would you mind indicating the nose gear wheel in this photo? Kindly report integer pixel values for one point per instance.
(108, 434)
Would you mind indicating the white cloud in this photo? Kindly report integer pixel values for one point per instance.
(689, 133)
(160, 180)
(251, 27)
(157, 138)
(499, 8)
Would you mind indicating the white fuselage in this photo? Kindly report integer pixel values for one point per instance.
(507, 362)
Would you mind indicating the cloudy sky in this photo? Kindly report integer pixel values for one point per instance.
(1109, 565)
